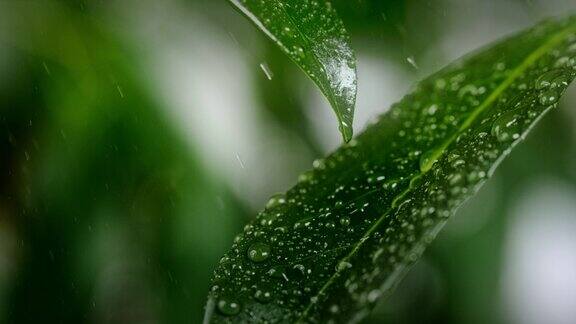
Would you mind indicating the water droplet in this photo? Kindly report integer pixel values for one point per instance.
(259, 252)
(288, 31)
(431, 110)
(266, 69)
(263, 295)
(466, 90)
(551, 79)
(345, 221)
(297, 272)
(377, 255)
(500, 66)
(299, 53)
(563, 61)
(276, 200)
(456, 179)
(506, 127)
(440, 84)
(458, 163)
(277, 272)
(228, 306)
(412, 61)
(548, 97)
(374, 295)
(475, 176)
(343, 265)
(334, 309)
(305, 177)
(390, 185)
(319, 164)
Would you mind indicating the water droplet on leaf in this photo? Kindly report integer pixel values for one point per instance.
(259, 252)
(506, 127)
(228, 306)
(548, 97)
(263, 295)
(276, 200)
(343, 265)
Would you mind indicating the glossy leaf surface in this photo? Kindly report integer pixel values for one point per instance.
(342, 238)
(312, 35)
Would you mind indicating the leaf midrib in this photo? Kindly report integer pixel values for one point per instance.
(516, 73)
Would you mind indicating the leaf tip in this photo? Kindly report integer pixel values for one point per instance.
(346, 131)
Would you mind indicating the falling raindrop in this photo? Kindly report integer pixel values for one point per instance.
(412, 61)
(266, 69)
(239, 159)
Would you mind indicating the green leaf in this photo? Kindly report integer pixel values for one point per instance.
(312, 35)
(350, 229)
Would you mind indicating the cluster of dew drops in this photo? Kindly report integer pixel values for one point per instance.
(491, 136)
(534, 99)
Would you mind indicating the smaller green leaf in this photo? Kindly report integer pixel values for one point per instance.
(314, 37)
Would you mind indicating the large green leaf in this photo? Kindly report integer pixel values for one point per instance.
(312, 35)
(348, 231)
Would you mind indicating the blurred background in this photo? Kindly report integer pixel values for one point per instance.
(137, 137)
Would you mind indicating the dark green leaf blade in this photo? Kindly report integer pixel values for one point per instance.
(347, 232)
(313, 36)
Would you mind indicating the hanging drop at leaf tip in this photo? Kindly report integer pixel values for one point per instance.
(346, 131)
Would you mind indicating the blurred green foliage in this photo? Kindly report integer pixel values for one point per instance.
(115, 218)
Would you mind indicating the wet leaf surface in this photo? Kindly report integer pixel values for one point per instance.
(344, 236)
(313, 36)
